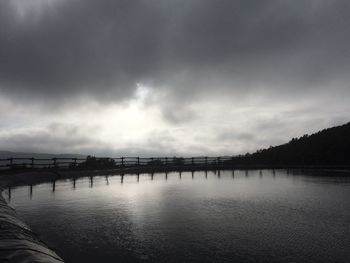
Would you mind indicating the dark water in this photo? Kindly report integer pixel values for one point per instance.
(248, 217)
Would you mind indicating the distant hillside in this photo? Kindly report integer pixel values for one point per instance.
(327, 147)
(8, 154)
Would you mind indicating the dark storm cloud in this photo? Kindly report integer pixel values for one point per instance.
(103, 48)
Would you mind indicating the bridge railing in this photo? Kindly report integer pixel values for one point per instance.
(119, 162)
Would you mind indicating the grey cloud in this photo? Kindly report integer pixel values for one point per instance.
(54, 138)
(43, 141)
(231, 135)
(178, 112)
(103, 48)
(58, 138)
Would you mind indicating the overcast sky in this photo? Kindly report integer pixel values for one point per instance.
(177, 77)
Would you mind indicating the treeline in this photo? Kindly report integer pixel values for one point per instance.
(327, 147)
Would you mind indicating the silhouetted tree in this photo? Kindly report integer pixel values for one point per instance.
(97, 163)
(155, 162)
(327, 147)
(178, 161)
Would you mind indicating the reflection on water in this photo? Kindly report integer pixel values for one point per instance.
(221, 216)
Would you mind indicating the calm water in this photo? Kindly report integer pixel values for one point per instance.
(219, 218)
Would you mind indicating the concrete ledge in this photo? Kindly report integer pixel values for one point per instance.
(18, 243)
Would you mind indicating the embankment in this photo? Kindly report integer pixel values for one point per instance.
(18, 243)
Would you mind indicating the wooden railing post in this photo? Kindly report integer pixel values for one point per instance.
(138, 161)
(166, 160)
(54, 162)
(122, 161)
(32, 162)
(11, 162)
(192, 161)
(9, 193)
(206, 161)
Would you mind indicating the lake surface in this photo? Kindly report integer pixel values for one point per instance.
(218, 217)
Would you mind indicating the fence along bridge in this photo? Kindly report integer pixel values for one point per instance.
(110, 163)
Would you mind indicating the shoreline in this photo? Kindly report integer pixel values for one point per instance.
(36, 176)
